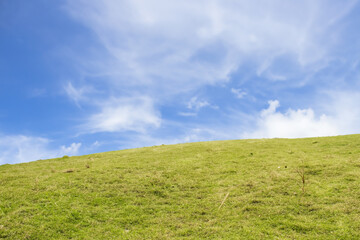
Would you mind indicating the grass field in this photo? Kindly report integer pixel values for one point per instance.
(240, 189)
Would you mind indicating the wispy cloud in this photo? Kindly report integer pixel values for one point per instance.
(238, 92)
(196, 104)
(149, 44)
(78, 94)
(124, 114)
(20, 148)
(343, 107)
(187, 114)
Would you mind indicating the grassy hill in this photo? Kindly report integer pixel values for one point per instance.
(241, 189)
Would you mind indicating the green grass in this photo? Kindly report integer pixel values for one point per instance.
(175, 191)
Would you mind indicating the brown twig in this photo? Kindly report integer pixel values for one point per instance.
(222, 203)
(301, 172)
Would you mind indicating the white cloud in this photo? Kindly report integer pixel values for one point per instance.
(292, 124)
(273, 105)
(196, 104)
(187, 114)
(20, 148)
(78, 94)
(124, 114)
(74, 94)
(333, 113)
(344, 108)
(95, 144)
(72, 149)
(182, 45)
(238, 93)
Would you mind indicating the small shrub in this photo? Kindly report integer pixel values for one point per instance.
(301, 173)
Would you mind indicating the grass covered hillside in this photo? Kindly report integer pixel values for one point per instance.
(242, 189)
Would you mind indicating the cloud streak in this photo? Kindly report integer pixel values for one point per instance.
(124, 114)
(149, 42)
(20, 148)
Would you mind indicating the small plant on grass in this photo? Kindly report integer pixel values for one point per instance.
(301, 172)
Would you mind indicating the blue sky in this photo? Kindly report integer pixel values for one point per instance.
(86, 76)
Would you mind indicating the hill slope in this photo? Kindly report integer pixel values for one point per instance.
(250, 189)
